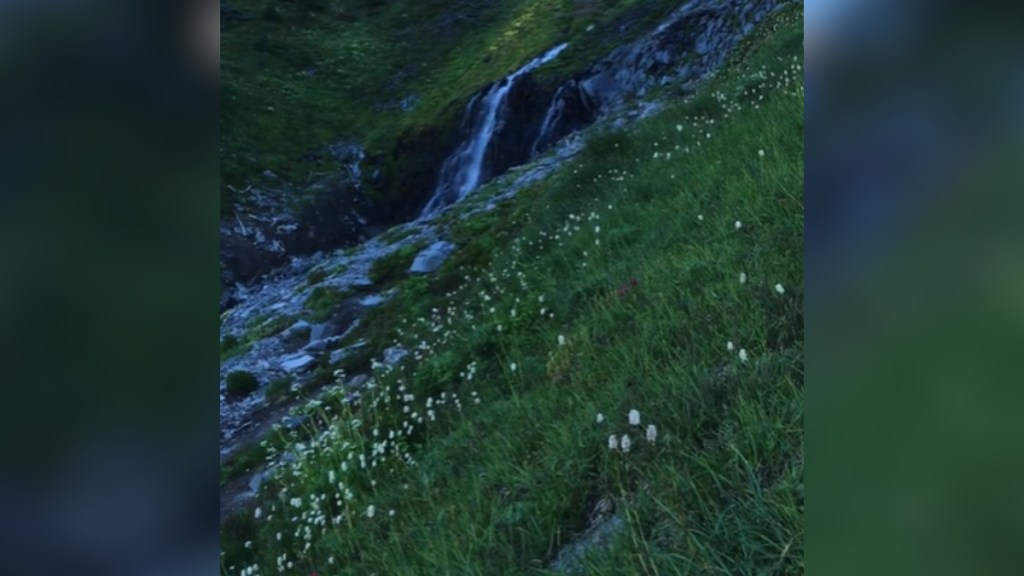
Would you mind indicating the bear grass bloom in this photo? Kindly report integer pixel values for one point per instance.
(625, 443)
(634, 418)
(652, 433)
(613, 442)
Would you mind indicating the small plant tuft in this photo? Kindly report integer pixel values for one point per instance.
(241, 383)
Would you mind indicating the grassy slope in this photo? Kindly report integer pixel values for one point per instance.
(498, 487)
(365, 52)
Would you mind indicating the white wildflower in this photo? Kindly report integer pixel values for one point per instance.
(743, 278)
(729, 346)
(370, 511)
(613, 442)
(600, 417)
(634, 417)
(625, 443)
(561, 340)
(739, 224)
(743, 355)
(652, 433)
(513, 366)
(780, 289)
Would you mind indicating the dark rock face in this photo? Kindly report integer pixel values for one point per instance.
(692, 43)
(533, 119)
(272, 224)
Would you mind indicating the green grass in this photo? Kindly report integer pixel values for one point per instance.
(548, 332)
(394, 266)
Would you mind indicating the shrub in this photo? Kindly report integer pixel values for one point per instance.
(279, 389)
(228, 343)
(394, 266)
(316, 276)
(242, 383)
(323, 301)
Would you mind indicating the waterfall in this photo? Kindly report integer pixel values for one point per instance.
(463, 171)
(551, 118)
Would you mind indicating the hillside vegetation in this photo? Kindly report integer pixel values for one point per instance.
(659, 272)
(299, 75)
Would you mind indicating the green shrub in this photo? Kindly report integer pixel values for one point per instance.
(279, 389)
(242, 383)
(228, 343)
(394, 266)
(323, 301)
(316, 276)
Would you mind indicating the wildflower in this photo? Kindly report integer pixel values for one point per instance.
(652, 433)
(330, 476)
(625, 443)
(679, 127)
(743, 355)
(739, 224)
(597, 229)
(370, 511)
(700, 217)
(391, 512)
(513, 366)
(248, 544)
(760, 153)
(258, 513)
(613, 442)
(600, 417)
(729, 346)
(561, 340)
(743, 278)
(780, 289)
(634, 418)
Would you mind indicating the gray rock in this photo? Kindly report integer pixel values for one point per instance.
(358, 381)
(341, 354)
(431, 258)
(298, 330)
(372, 300)
(321, 331)
(321, 345)
(257, 480)
(569, 560)
(298, 363)
(293, 422)
(394, 355)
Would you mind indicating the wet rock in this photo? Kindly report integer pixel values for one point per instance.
(432, 257)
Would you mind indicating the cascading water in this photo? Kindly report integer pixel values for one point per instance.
(463, 171)
(551, 118)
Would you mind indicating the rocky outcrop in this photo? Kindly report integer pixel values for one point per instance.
(272, 224)
(513, 120)
(693, 42)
